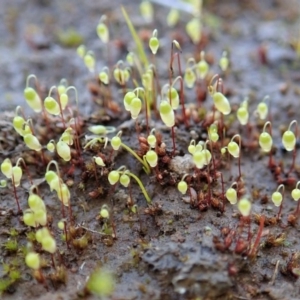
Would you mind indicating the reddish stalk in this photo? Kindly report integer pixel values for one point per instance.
(295, 150)
(60, 108)
(223, 190)
(254, 248)
(124, 89)
(113, 227)
(209, 186)
(298, 208)
(239, 160)
(173, 140)
(271, 161)
(53, 261)
(208, 174)
(42, 279)
(110, 155)
(249, 230)
(281, 205)
(213, 158)
(15, 194)
(293, 161)
(77, 118)
(240, 173)
(171, 71)
(146, 110)
(130, 195)
(295, 198)
(186, 122)
(43, 156)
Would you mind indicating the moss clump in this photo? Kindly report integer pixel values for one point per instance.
(11, 245)
(4, 285)
(69, 38)
(101, 283)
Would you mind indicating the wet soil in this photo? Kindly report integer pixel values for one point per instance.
(175, 248)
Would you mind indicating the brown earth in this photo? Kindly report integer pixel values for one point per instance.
(170, 250)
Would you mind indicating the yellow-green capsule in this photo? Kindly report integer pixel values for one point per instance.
(231, 195)
(234, 149)
(244, 206)
(221, 103)
(182, 187)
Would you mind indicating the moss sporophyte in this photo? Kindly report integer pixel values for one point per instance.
(82, 170)
(118, 175)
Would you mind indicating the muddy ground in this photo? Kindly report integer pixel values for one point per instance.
(171, 250)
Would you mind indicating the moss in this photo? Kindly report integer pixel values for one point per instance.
(14, 275)
(11, 245)
(101, 283)
(69, 38)
(4, 284)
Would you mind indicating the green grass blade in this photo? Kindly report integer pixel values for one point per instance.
(139, 46)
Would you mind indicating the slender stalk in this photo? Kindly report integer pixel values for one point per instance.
(186, 122)
(60, 108)
(239, 162)
(298, 204)
(17, 112)
(171, 72)
(146, 96)
(173, 140)
(53, 261)
(268, 123)
(223, 190)
(15, 194)
(155, 92)
(30, 124)
(281, 205)
(26, 169)
(76, 140)
(295, 150)
(298, 208)
(145, 164)
(209, 186)
(42, 156)
(140, 185)
(213, 158)
(77, 107)
(130, 195)
(148, 109)
(254, 248)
